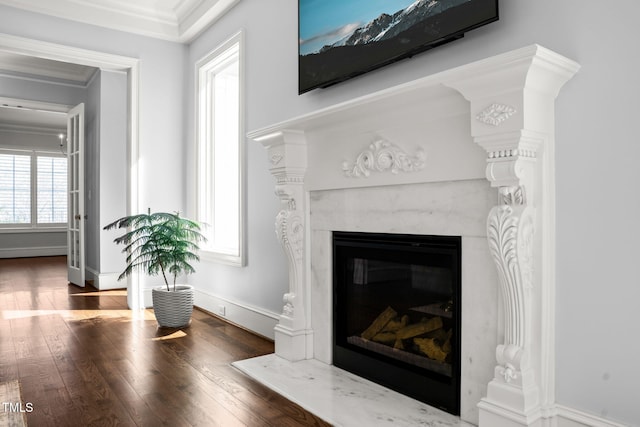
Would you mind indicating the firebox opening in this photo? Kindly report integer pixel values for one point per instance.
(396, 317)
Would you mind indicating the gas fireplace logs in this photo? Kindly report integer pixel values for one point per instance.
(427, 336)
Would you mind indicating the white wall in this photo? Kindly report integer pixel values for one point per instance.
(105, 174)
(112, 169)
(598, 287)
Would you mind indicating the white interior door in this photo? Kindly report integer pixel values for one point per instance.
(75, 213)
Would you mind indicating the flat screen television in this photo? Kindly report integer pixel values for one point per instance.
(340, 39)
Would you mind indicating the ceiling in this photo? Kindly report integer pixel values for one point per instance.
(173, 20)
(32, 116)
(38, 116)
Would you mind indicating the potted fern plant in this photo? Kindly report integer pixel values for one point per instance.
(165, 244)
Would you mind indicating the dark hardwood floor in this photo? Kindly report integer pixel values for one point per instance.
(83, 359)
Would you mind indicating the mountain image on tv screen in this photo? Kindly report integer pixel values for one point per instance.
(339, 39)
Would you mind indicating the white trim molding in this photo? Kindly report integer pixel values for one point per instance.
(570, 417)
(104, 281)
(252, 318)
(33, 252)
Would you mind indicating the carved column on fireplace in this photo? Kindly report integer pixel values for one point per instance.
(511, 234)
(287, 153)
(512, 119)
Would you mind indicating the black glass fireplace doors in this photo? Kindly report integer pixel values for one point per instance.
(396, 306)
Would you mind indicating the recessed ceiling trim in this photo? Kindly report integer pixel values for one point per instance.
(33, 130)
(34, 117)
(57, 52)
(173, 20)
(33, 105)
(38, 68)
(200, 17)
(90, 13)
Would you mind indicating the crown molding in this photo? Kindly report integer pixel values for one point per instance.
(177, 20)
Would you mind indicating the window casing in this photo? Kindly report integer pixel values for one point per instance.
(33, 189)
(220, 176)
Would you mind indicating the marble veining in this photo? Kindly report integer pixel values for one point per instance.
(341, 398)
(457, 208)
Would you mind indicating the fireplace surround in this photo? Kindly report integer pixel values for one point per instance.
(426, 158)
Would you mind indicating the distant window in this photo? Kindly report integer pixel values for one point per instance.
(220, 158)
(33, 189)
(15, 189)
(52, 190)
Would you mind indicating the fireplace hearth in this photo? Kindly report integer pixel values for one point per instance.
(397, 313)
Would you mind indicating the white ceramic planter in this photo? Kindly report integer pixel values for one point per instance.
(173, 308)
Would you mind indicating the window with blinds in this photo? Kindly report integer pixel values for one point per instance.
(33, 189)
(52, 190)
(15, 189)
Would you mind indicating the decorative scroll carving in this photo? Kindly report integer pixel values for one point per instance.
(382, 156)
(495, 114)
(290, 232)
(286, 196)
(513, 195)
(276, 158)
(288, 300)
(510, 362)
(502, 233)
(510, 229)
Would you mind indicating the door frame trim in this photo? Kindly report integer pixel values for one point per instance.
(109, 62)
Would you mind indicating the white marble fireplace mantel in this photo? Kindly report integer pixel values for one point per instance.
(467, 152)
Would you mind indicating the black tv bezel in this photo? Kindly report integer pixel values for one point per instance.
(401, 55)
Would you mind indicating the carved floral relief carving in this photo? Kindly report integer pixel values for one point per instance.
(495, 114)
(383, 156)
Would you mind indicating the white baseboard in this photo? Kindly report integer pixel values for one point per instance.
(570, 417)
(557, 416)
(33, 252)
(104, 281)
(254, 319)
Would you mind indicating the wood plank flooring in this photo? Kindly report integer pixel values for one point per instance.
(83, 359)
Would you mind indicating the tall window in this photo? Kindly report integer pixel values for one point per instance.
(33, 189)
(220, 154)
